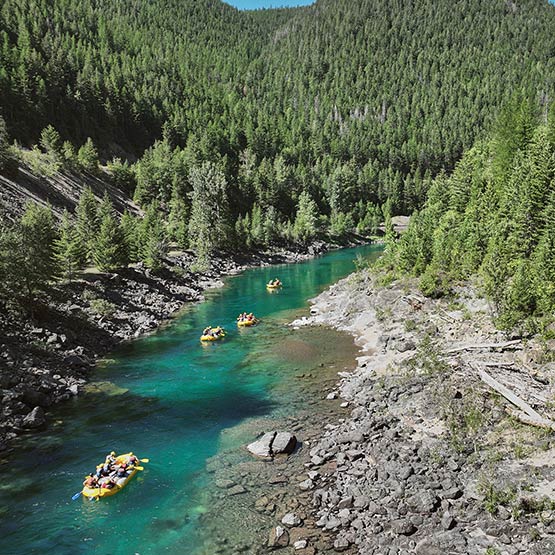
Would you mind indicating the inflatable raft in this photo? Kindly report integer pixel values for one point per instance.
(245, 323)
(211, 337)
(98, 492)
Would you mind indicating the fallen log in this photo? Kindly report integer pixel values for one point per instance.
(527, 419)
(503, 345)
(514, 399)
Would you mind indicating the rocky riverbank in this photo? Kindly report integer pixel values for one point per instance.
(431, 459)
(46, 354)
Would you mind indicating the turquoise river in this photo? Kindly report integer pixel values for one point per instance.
(171, 399)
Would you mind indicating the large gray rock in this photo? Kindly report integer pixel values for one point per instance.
(291, 520)
(284, 442)
(279, 537)
(273, 443)
(35, 419)
(402, 527)
(263, 446)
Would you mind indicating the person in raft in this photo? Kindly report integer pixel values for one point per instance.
(206, 330)
(110, 458)
(91, 481)
(216, 332)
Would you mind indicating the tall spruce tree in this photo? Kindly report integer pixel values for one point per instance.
(67, 248)
(87, 224)
(38, 234)
(209, 224)
(305, 226)
(109, 252)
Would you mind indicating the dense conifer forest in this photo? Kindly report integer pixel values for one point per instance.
(493, 219)
(239, 129)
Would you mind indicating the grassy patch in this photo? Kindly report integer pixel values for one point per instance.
(102, 307)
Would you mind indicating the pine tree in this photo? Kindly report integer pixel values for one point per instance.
(304, 228)
(69, 156)
(88, 157)
(129, 225)
(87, 224)
(67, 249)
(208, 225)
(109, 250)
(151, 238)
(543, 262)
(178, 220)
(38, 233)
(51, 142)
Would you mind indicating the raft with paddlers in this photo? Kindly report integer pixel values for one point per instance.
(244, 320)
(111, 476)
(274, 284)
(212, 334)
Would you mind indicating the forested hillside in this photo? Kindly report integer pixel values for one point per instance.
(238, 129)
(493, 218)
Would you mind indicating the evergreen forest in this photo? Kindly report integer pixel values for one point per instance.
(233, 130)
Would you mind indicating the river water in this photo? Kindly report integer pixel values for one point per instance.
(181, 404)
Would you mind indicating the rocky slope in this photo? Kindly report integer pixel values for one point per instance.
(431, 460)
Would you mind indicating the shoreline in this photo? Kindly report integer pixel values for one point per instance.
(428, 461)
(48, 360)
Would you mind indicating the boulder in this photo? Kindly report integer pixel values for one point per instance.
(279, 537)
(273, 443)
(284, 442)
(35, 419)
(291, 520)
(263, 446)
(402, 527)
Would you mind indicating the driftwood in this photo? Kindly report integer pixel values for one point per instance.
(504, 345)
(497, 364)
(527, 419)
(526, 414)
(508, 394)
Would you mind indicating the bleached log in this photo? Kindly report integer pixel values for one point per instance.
(497, 364)
(527, 419)
(472, 347)
(509, 395)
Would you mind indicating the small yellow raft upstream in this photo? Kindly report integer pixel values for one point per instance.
(273, 287)
(214, 335)
(246, 323)
(98, 492)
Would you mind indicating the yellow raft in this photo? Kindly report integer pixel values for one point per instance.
(212, 337)
(273, 287)
(99, 492)
(244, 323)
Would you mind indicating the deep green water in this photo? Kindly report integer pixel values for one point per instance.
(167, 398)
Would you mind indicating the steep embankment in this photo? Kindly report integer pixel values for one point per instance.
(432, 460)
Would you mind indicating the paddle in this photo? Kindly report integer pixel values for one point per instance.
(145, 460)
(76, 496)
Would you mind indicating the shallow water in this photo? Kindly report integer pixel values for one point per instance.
(175, 401)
